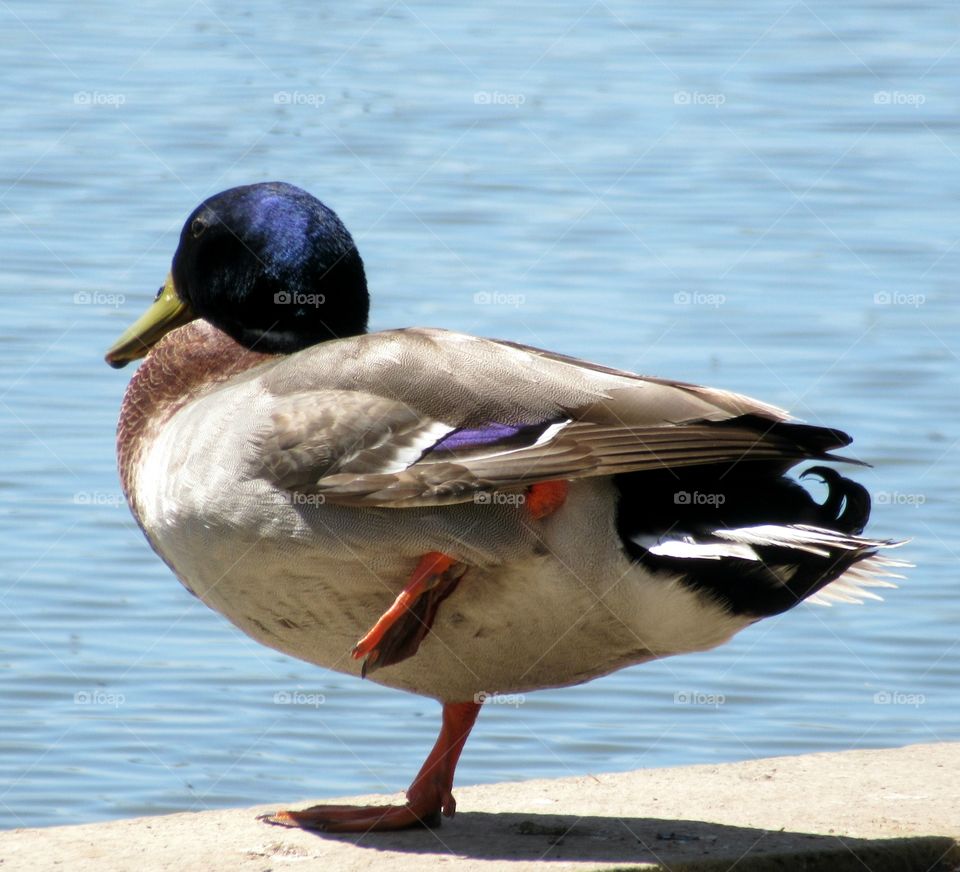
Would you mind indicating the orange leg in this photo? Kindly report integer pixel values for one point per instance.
(398, 632)
(429, 795)
(545, 497)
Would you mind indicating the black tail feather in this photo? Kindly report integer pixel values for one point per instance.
(848, 500)
(816, 441)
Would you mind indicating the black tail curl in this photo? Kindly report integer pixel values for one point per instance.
(693, 503)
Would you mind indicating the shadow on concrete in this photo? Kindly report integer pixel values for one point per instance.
(668, 844)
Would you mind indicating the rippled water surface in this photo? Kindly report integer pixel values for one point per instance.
(760, 196)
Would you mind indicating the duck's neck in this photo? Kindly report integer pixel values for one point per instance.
(186, 363)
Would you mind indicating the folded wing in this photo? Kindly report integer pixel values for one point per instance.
(439, 417)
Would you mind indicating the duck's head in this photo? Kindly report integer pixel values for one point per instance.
(268, 264)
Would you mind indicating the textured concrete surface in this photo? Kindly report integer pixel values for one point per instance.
(869, 811)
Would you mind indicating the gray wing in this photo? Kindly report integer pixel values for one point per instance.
(429, 417)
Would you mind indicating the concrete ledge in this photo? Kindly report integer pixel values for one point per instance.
(877, 810)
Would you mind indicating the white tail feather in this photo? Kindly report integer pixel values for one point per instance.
(854, 585)
(851, 587)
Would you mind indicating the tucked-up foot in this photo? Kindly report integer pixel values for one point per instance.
(399, 631)
(546, 497)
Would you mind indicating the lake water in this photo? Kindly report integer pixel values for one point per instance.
(760, 196)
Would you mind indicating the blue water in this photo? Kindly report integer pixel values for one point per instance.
(761, 196)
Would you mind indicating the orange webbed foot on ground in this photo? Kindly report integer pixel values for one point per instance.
(357, 818)
(430, 795)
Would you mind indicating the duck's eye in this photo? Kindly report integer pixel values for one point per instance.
(197, 227)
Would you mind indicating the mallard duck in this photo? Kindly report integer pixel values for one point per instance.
(445, 514)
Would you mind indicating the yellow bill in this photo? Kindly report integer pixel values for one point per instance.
(167, 312)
